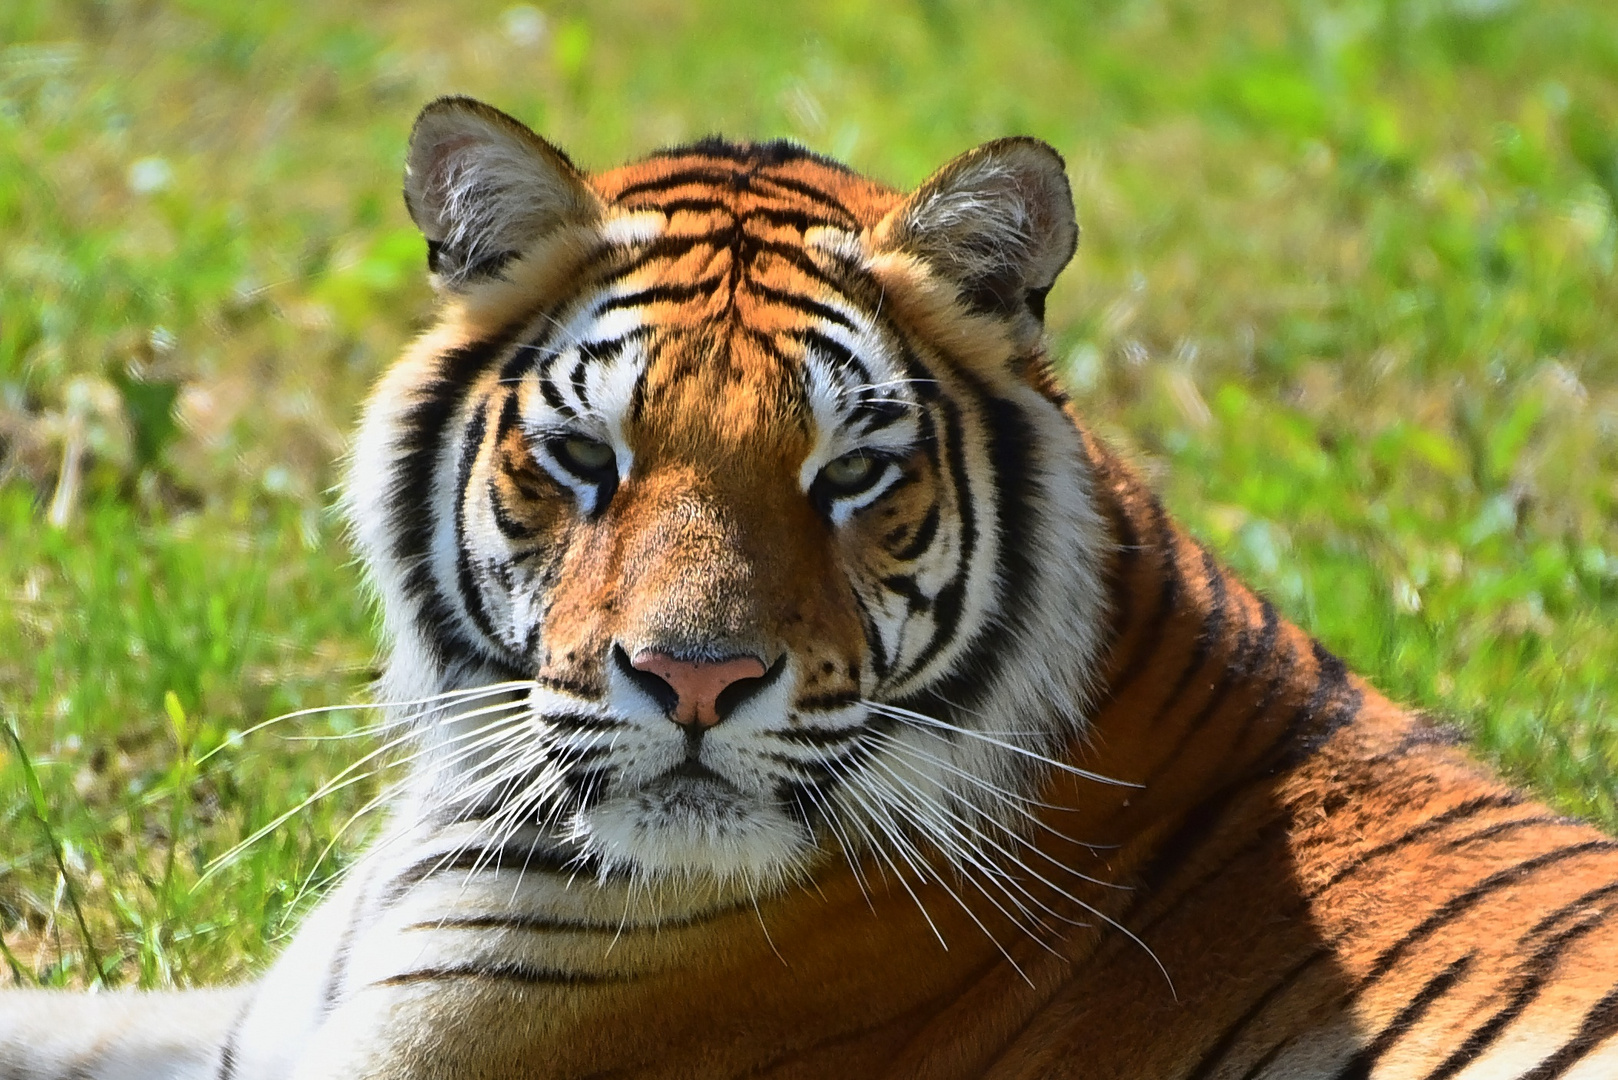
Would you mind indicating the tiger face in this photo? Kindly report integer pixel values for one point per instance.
(743, 477)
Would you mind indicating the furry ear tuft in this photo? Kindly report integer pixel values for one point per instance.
(482, 187)
(997, 222)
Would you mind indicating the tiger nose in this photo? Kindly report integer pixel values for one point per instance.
(697, 685)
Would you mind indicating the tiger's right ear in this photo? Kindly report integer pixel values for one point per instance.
(482, 188)
(997, 223)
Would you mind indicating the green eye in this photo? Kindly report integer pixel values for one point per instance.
(588, 457)
(850, 473)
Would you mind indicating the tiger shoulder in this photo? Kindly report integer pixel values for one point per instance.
(800, 689)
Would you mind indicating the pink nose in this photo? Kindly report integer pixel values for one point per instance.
(697, 684)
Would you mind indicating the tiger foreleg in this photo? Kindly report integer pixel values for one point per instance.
(125, 1035)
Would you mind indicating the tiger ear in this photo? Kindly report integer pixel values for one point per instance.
(997, 222)
(482, 187)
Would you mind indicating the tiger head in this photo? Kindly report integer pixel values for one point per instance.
(744, 479)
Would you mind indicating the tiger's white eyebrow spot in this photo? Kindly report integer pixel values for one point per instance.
(627, 230)
(834, 241)
(836, 390)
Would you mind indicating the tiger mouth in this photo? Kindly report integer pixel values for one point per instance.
(691, 791)
(691, 821)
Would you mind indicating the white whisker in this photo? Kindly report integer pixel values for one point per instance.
(432, 699)
(915, 718)
(865, 781)
(1018, 804)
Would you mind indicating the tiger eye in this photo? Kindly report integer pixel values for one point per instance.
(585, 455)
(849, 471)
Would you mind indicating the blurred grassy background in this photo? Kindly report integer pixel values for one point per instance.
(1346, 290)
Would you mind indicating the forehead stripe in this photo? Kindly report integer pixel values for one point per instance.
(680, 178)
(798, 259)
(803, 304)
(831, 350)
(659, 294)
(630, 196)
(813, 194)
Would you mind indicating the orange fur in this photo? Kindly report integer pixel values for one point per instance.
(1287, 845)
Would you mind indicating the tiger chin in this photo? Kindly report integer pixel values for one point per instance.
(798, 689)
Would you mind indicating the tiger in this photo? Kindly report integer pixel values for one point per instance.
(793, 685)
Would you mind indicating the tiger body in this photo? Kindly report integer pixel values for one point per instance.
(1018, 781)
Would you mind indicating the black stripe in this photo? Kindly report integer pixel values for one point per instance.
(1282, 664)
(1495, 831)
(795, 257)
(511, 857)
(510, 416)
(1220, 1050)
(813, 735)
(814, 194)
(1528, 981)
(665, 293)
(536, 353)
(1210, 708)
(1359, 1066)
(1168, 597)
(1203, 821)
(802, 303)
(663, 248)
(552, 396)
(611, 348)
(1247, 658)
(790, 217)
(1332, 703)
(409, 504)
(509, 527)
(1457, 905)
(526, 974)
(227, 1058)
(1572, 907)
(576, 722)
(872, 416)
(1213, 627)
(696, 204)
(1128, 547)
(922, 538)
(679, 178)
(545, 924)
(1261, 647)
(465, 576)
(1459, 812)
(832, 350)
(567, 686)
(754, 155)
(973, 676)
(1598, 1025)
(880, 661)
(825, 702)
(904, 585)
(1264, 1062)
(332, 987)
(1213, 623)
(1422, 737)
(227, 1051)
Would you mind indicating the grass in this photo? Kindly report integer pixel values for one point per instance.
(1346, 292)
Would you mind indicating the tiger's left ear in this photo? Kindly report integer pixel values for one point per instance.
(997, 222)
(483, 188)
